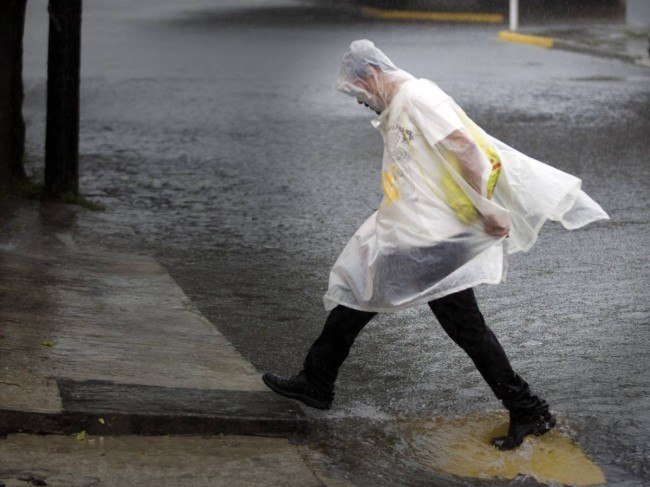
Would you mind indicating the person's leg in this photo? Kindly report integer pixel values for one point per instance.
(314, 385)
(461, 318)
(332, 347)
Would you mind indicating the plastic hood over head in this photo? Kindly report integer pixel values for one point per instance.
(369, 75)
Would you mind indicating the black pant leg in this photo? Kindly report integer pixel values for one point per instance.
(332, 347)
(461, 318)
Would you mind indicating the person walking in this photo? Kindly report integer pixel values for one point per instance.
(456, 203)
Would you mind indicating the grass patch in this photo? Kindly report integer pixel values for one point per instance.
(78, 199)
(28, 189)
(16, 228)
(635, 34)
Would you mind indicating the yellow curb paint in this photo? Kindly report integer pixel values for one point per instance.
(437, 16)
(508, 36)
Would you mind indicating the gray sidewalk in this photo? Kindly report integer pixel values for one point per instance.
(159, 461)
(607, 40)
(109, 375)
(107, 343)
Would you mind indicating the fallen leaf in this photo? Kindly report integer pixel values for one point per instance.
(81, 436)
(48, 343)
(101, 420)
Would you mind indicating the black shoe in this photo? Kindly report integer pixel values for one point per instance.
(523, 425)
(298, 387)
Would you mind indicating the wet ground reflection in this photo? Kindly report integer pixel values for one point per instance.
(223, 149)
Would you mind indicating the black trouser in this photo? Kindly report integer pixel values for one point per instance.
(460, 317)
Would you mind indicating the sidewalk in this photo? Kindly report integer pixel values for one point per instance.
(108, 343)
(97, 345)
(602, 40)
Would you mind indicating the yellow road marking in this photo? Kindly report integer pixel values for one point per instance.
(437, 16)
(508, 36)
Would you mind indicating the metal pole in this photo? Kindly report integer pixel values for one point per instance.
(62, 120)
(514, 15)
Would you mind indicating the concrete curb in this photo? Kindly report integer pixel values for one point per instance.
(565, 45)
(463, 17)
(508, 36)
(109, 409)
(594, 51)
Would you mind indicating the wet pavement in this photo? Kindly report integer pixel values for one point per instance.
(108, 343)
(216, 141)
(163, 461)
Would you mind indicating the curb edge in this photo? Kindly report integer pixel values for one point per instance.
(554, 43)
(541, 41)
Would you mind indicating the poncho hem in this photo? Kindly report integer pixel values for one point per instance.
(417, 302)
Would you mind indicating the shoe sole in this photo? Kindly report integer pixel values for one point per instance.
(311, 402)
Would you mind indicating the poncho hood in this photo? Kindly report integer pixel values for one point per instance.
(369, 75)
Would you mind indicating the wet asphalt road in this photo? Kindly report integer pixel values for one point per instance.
(217, 142)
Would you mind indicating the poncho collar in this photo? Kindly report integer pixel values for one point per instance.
(380, 122)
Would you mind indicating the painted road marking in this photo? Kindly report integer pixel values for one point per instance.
(432, 16)
(508, 36)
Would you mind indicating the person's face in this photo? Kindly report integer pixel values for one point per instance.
(369, 87)
(361, 101)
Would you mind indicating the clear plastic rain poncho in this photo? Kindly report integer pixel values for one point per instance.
(456, 200)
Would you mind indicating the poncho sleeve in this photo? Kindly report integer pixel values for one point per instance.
(470, 164)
